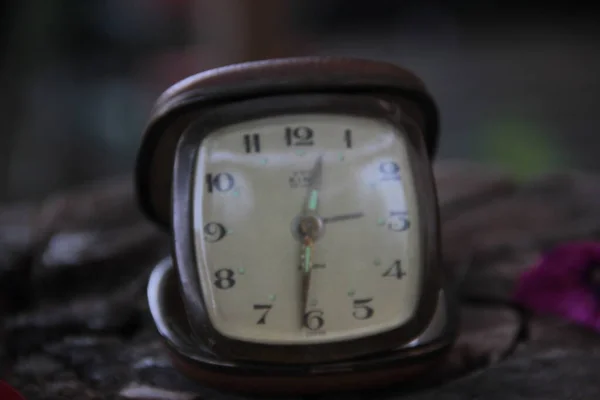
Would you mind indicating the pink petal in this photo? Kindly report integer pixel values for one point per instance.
(555, 285)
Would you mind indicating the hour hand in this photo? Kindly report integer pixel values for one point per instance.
(342, 217)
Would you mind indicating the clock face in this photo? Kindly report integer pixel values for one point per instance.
(306, 229)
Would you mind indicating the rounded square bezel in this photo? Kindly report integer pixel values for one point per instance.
(184, 251)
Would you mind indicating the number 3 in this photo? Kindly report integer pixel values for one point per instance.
(398, 221)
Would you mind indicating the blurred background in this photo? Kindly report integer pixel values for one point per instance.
(517, 82)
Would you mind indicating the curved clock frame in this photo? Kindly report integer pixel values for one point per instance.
(187, 261)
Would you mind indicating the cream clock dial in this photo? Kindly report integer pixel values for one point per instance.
(306, 228)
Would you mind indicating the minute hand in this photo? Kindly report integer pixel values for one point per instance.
(307, 249)
(310, 208)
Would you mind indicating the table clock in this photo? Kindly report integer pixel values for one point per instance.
(300, 201)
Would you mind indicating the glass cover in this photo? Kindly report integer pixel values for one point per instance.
(306, 228)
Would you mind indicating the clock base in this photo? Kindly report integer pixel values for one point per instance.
(405, 366)
(306, 384)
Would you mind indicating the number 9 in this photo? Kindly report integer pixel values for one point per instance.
(214, 231)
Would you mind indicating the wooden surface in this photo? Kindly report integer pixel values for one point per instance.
(73, 272)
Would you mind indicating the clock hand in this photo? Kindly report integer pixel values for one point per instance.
(312, 199)
(306, 257)
(308, 232)
(342, 217)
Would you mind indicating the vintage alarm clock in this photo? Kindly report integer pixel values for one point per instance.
(305, 233)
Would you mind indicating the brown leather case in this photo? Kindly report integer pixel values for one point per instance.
(178, 105)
